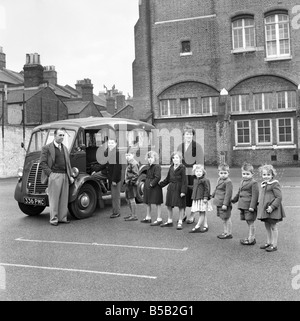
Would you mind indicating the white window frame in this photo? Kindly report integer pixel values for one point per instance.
(189, 100)
(263, 101)
(277, 34)
(168, 107)
(236, 133)
(243, 28)
(247, 96)
(292, 131)
(210, 102)
(256, 133)
(286, 99)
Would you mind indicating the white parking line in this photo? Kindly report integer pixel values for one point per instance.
(99, 244)
(77, 270)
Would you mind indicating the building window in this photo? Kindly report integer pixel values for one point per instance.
(263, 101)
(277, 35)
(239, 103)
(185, 46)
(188, 106)
(209, 105)
(169, 107)
(242, 132)
(243, 34)
(264, 131)
(285, 130)
(286, 99)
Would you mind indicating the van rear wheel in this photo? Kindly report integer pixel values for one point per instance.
(140, 188)
(85, 203)
(30, 209)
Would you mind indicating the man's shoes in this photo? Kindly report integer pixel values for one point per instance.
(54, 223)
(170, 224)
(115, 215)
(265, 246)
(179, 226)
(146, 220)
(156, 223)
(65, 222)
(127, 217)
(131, 218)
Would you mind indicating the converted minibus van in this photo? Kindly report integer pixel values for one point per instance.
(84, 138)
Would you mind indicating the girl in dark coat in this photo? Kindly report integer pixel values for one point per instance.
(177, 186)
(152, 191)
(270, 209)
(200, 197)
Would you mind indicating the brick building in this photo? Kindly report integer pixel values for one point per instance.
(231, 68)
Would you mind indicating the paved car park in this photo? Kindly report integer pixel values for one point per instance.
(106, 259)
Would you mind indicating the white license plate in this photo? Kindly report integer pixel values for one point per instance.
(34, 201)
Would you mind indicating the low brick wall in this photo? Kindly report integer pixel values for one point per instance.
(11, 154)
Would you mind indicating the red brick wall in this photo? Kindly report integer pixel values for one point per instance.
(45, 107)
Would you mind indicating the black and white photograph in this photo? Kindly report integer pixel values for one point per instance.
(149, 153)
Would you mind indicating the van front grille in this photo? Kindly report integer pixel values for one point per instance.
(34, 180)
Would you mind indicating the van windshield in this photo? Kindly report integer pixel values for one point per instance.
(44, 137)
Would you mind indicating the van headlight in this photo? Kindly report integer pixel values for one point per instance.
(20, 173)
(75, 172)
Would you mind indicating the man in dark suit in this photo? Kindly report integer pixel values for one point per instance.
(192, 153)
(56, 166)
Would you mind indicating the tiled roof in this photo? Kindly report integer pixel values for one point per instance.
(76, 107)
(16, 96)
(11, 77)
(104, 113)
(60, 91)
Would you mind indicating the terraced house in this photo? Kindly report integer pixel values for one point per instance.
(229, 67)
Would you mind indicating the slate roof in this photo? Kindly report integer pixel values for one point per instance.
(76, 107)
(11, 77)
(16, 96)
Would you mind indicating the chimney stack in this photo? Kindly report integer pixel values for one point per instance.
(2, 59)
(33, 71)
(120, 101)
(111, 105)
(85, 87)
(50, 75)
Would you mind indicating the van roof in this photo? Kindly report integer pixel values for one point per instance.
(94, 122)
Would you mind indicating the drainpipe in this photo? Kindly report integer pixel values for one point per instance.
(149, 47)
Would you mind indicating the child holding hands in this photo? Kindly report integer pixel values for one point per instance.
(247, 197)
(270, 209)
(200, 197)
(177, 186)
(152, 191)
(222, 199)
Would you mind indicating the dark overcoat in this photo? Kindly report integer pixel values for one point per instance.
(152, 191)
(177, 184)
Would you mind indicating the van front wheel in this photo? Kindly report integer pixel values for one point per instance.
(85, 203)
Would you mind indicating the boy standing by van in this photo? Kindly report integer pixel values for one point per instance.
(131, 176)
